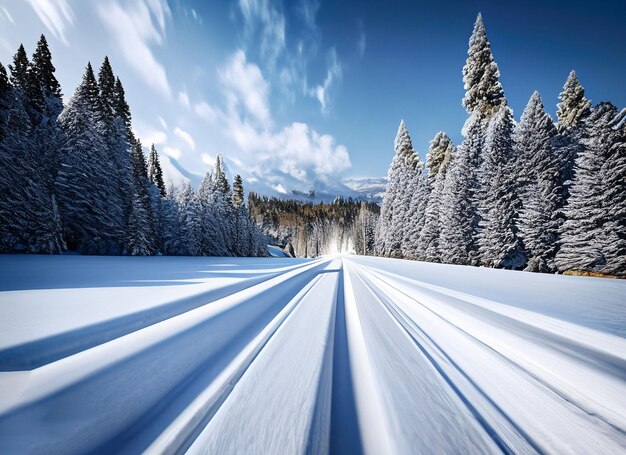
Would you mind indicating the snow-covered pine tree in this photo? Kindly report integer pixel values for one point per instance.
(418, 189)
(48, 132)
(91, 211)
(141, 216)
(155, 173)
(440, 149)
(573, 106)
(238, 193)
(459, 215)
(593, 234)
(483, 91)
(190, 227)
(539, 189)
(30, 217)
(440, 154)
(120, 147)
(499, 242)
(396, 201)
(460, 200)
(215, 239)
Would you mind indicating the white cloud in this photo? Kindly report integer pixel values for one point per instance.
(206, 111)
(136, 26)
(149, 135)
(186, 137)
(295, 156)
(162, 122)
(183, 98)
(333, 73)
(173, 152)
(245, 86)
(56, 15)
(263, 17)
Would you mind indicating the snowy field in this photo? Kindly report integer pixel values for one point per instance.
(283, 356)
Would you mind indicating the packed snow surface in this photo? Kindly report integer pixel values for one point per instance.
(339, 354)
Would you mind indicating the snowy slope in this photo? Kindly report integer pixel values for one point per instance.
(340, 354)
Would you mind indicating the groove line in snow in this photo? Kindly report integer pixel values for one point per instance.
(556, 393)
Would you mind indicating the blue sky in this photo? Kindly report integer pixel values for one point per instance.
(302, 94)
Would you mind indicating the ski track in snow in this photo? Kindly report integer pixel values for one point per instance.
(335, 355)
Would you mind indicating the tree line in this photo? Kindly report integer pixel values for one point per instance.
(534, 194)
(75, 177)
(342, 225)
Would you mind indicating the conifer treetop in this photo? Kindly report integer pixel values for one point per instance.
(44, 69)
(484, 92)
(573, 104)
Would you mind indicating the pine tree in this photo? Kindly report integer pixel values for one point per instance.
(572, 106)
(141, 216)
(220, 176)
(432, 223)
(593, 235)
(439, 150)
(459, 214)
(92, 217)
(499, 242)
(44, 70)
(215, 218)
(395, 206)
(190, 227)
(30, 217)
(238, 194)
(418, 190)
(539, 185)
(484, 93)
(155, 173)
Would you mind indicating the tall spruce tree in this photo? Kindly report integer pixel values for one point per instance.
(539, 185)
(483, 91)
(459, 202)
(238, 194)
(573, 106)
(396, 201)
(28, 209)
(155, 173)
(48, 134)
(499, 242)
(593, 235)
(93, 220)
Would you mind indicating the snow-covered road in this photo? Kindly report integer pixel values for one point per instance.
(280, 356)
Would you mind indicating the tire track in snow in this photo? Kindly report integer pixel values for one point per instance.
(592, 427)
(161, 361)
(42, 351)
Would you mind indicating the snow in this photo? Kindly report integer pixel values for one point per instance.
(342, 354)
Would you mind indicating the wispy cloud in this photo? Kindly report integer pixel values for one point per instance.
(264, 18)
(206, 111)
(185, 137)
(292, 156)
(333, 73)
(245, 87)
(136, 26)
(56, 15)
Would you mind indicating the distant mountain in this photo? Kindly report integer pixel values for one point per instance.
(370, 188)
(175, 174)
